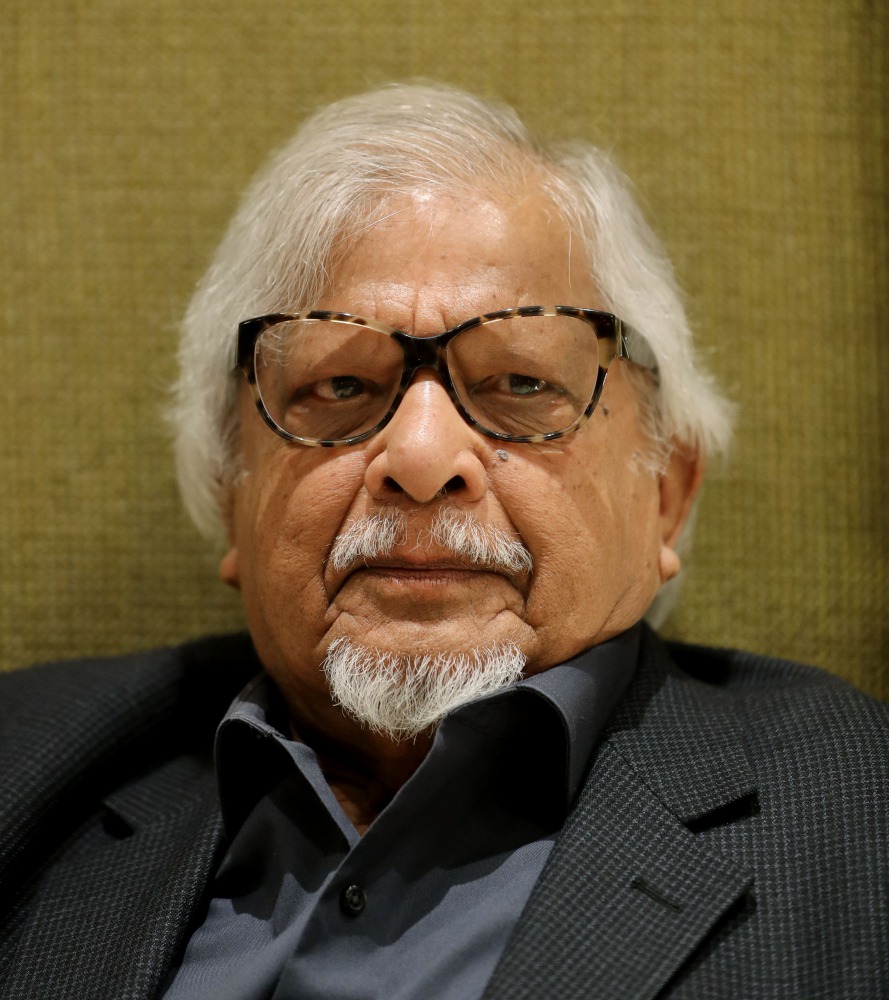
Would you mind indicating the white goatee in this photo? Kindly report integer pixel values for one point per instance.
(402, 696)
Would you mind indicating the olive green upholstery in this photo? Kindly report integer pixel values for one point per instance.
(756, 134)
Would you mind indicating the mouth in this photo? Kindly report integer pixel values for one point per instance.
(417, 565)
(432, 591)
(454, 548)
(417, 582)
(416, 571)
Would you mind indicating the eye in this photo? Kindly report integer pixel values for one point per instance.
(342, 387)
(514, 386)
(524, 385)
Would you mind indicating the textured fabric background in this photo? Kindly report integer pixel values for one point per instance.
(757, 137)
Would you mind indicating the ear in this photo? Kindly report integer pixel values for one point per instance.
(229, 570)
(679, 486)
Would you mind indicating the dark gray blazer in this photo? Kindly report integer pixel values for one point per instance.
(729, 842)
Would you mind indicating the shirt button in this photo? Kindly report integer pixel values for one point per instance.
(353, 900)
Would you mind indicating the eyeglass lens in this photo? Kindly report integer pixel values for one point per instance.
(522, 375)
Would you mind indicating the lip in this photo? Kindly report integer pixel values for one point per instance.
(420, 569)
(417, 559)
(428, 574)
(417, 565)
(428, 588)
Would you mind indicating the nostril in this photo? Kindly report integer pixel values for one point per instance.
(452, 485)
(392, 485)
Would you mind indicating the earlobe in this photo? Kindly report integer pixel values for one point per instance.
(669, 564)
(229, 571)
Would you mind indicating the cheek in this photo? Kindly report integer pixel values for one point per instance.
(592, 526)
(288, 511)
(620, 517)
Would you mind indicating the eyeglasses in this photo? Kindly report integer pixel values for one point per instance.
(528, 374)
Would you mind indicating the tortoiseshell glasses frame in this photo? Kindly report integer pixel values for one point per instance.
(615, 339)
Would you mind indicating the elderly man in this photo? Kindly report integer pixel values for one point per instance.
(438, 396)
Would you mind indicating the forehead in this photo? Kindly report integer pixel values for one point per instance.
(440, 257)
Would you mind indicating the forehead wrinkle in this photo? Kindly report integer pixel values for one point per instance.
(408, 312)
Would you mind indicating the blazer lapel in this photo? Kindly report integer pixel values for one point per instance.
(129, 896)
(629, 891)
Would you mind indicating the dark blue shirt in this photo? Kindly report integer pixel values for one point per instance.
(422, 905)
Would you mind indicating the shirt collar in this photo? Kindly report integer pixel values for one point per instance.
(585, 691)
(254, 752)
(581, 693)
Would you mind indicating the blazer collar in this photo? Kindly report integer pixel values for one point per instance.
(118, 912)
(126, 884)
(682, 737)
(630, 891)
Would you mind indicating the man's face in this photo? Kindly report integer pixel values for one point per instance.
(592, 520)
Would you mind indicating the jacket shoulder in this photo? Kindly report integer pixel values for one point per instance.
(773, 688)
(814, 736)
(74, 730)
(109, 822)
(116, 690)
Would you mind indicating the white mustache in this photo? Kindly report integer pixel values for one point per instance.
(457, 532)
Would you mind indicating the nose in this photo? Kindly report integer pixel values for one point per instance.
(427, 449)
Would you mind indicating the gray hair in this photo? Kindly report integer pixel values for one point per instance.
(327, 185)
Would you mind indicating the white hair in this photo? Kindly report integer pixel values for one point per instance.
(402, 696)
(327, 185)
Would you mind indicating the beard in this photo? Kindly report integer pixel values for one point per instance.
(402, 696)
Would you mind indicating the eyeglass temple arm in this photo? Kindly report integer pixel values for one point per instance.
(632, 346)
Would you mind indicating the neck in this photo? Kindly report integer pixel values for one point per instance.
(364, 769)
